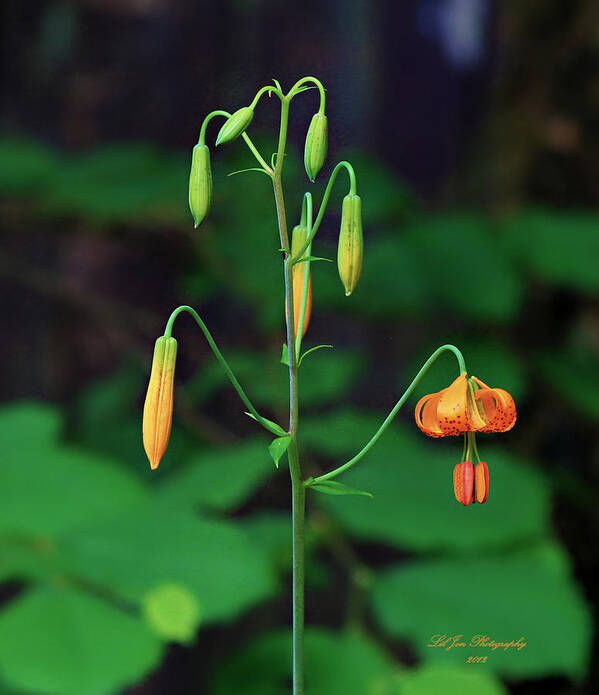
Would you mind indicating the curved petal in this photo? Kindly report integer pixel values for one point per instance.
(453, 413)
(499, 409)
(426, 415)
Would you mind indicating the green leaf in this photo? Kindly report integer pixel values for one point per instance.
(49, 488)
(473, 273)
(505, 597)
(559, 247)
(278, 447)
(337, 664)
(303, 259)
(333, 487)
(220, 478)
(449, 680)
(285, 355)
(64, 642)
(312, 349)
(159, 543)
(268, 424)
(411, 479)
(172, 612)
(576, 377)
(243, 171)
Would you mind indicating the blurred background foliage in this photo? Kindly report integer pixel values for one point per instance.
(472, 129)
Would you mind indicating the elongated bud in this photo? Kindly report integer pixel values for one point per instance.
(299, 270)
(235, 125)
(463, 482)
(481, 481)
(200, 184)
(351, 244)
(158, 408)
(317, 142)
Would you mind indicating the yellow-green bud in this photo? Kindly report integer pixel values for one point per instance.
(235, 125)
(351, 246)
(315, 151)
(200, 184)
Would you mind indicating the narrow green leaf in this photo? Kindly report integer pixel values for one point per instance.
(278, 447)
(269, 425)
(242, 171)
(312, 258)
(312, 349)
(332, 487)
(285, 355)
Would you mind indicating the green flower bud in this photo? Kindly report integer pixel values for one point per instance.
(200, 184)
(351, 246)
(235, 125)
(315, 151)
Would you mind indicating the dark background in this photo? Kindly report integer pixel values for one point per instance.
(472, 126)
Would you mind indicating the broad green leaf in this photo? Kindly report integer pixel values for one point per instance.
(505, 597)
(26, 167)
(133, 553)
(336, 664)
(339, 433)
(411, 479)
(430, 679)
(472, 273)
(48, 488)
(278, 447)
(220, 478)
(575, 377)
(334, 487)
(172, 612)
(65, 642)
(559, 247)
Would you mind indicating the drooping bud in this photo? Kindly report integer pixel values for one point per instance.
(235, 125)
(463, 482)
(351, 245)
(481, 481)
(299, 270)
(200, 184)
(158, 408)
(315, 150)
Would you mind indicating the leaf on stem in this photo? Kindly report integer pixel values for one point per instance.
(242, 171)
(269, 425)
(285, 355)
(332, 487)
(278, 447)
(312, 258)
(312, 349)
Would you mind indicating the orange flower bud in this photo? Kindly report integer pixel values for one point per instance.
(299, 270)
(463, 482)
(158, 408)
(481, 481)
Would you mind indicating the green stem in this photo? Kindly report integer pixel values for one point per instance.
(245, 136)
(393, 413)
(298, 491)
(219, 356)
(325, 200)
(317, 83)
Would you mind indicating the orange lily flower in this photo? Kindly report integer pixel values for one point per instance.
(465, 406)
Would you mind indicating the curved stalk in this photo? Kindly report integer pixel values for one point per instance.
(223, 362)
(323, 204)
(352, 462)
(294, 90)
(245, 136)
